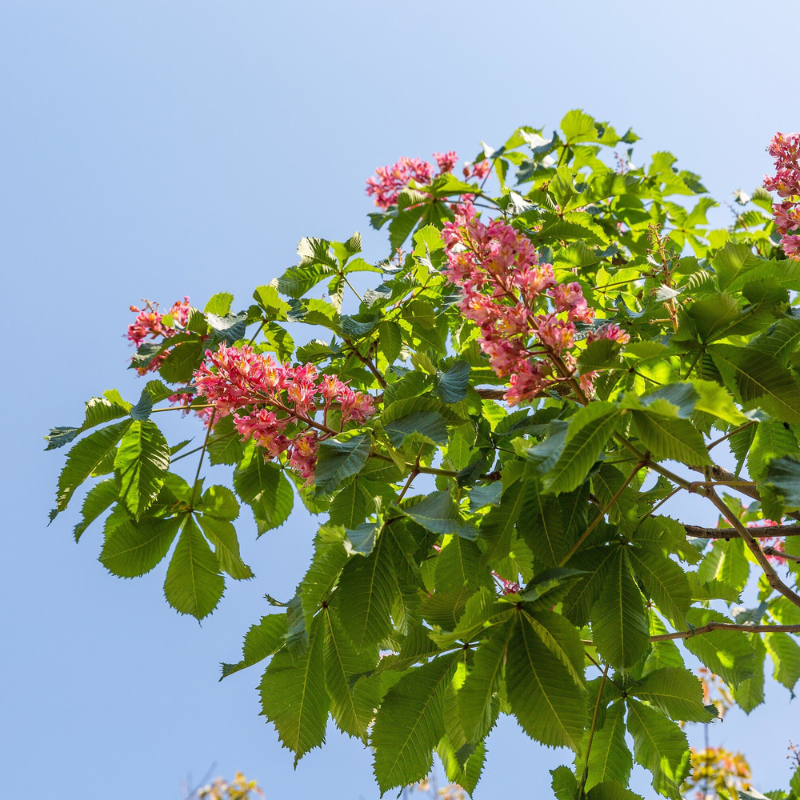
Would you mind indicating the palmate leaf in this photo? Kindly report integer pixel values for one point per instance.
(609, 758)
(671, 438)
(619, 623)
(726, 562)
(438, 513)
(596, 562)
(675, 691)
(98, 499)
(660, 746)
(475, 698)
(265, 489)
(410, 723)
(84, 458)
(134, 548)
(760, 379)
(540, 524)
(783, 476)
(453, 383)
(589, 430)
(497, 526)
(194, 585)
(293, 694)
(339, 460)
(612, 790)
(770, 440)
(664, 581)
(548, 704)
(351, 708)
(222, 534)
(141, 465)
(260, 642)
(329, 558)
(351, 505)
(98, 411)
(749, 694)
(785, 654)
(726, 653)
(366, 593)
(458, 565)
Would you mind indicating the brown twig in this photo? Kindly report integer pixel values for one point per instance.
(725, 626)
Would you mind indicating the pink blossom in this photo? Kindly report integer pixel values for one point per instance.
(785, 149)
(276, 404)
(505, 291)
(149, 325)
(391, 180)
(610, 331)
(446, 161)
(479, 170)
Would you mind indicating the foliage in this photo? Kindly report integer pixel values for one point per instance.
(487, 440)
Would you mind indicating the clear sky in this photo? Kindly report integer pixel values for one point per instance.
(168, 147)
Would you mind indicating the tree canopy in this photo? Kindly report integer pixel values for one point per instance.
(556, 344)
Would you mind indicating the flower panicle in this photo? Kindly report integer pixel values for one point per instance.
(276, 405)
(785, 149)
(527, 319)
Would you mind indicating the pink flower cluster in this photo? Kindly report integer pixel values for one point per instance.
(502, 283)
(389, 181)
(149, 324)
(785, 149)
(276, 405)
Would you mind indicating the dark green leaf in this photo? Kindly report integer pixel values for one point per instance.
(339, 460)
(260, 642)
(141, 465)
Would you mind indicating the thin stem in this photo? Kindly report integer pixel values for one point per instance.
(601, 515)
(202, 454)
(731, 433)
(585, 770)
(772, 577)
(352, 288)
(368, 362)
(773, 551)
(198, 449)
(255, 335)
(693, 365)
(181, 408)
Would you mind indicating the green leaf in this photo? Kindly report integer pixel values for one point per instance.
(220, 502)
(182, 361)
(476, 697)
(671, 438)
(293, 694)
(84, 458)
(749, 694)
(227, 450)
(726, 653)
(660, 746)
(264, 487)
(410, 723)
(733, 261)
(438, 513)
(351, 505)
(560, 638)
(219, 304)
(540, 524)
(429, 425)
(141, 465)
(589, 430)
(548, 704)
(770, 440)
(785, 654)
(353, 709)
(134, 548)
(675, 691)
(329, 558)
(726, 562)
(98, 499)
(194, 585)
(619, 623)
(761, 381)
(366, 594)
(230, 328)
(497, 526)
(599, 354)
(609, 758)
(222, 534)
(296, 281)
(783, 475)
(98, 411)
(458, 565)
(664, 581)
(611, 790)
(565, 786)
(260, 642)
(453, 383)
(339, 460)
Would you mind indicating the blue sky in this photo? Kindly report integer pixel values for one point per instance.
(166, 148)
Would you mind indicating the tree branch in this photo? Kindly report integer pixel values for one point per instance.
(772, 577)
(725, 626)
(729, 533)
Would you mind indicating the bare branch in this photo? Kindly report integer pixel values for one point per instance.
(725, 626)
(729, 533)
